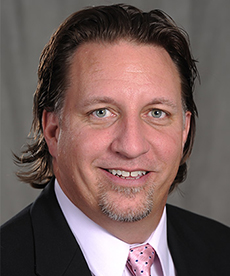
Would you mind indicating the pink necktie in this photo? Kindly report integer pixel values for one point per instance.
(140, 260)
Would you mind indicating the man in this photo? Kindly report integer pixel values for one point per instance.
(114, 122)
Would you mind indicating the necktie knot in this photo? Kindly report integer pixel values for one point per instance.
(140, 260)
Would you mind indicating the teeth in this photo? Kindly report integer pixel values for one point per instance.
(113, 172)
(134, 174)
(127, 174)
(119, 172)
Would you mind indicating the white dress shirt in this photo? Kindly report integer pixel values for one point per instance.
(104, 253)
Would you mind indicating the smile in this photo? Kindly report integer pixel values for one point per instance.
(128, 175)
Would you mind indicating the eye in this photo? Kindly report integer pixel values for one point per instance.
(157, 113)
(102, 113)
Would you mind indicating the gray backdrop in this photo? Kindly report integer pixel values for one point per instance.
(26, 28)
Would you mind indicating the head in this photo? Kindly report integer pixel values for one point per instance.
(105, 25)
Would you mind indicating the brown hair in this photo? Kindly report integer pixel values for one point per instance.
(102, 24)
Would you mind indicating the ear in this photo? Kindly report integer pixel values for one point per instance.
(50, 125)
(187, 120)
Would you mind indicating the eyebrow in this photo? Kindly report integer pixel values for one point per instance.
(108, 100)
(164, 102)
(97, 100)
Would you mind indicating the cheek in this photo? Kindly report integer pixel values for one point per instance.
(85, 144)
(168, 149)
(168, 155)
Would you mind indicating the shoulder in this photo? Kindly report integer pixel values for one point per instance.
(184, 218)
(17, 235)
(194, 230)
(18, 226)
(195, 237)
(17, 243)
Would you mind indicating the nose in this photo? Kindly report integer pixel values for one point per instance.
(130, 138)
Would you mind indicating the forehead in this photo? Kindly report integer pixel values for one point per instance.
(88, 56)
(123, 65)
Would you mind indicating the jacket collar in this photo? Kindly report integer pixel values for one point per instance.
(54, 242)
(189, 252)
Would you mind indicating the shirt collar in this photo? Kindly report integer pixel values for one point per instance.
(158, 240)
(93, 240)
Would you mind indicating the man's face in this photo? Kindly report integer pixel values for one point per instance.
(118, 145)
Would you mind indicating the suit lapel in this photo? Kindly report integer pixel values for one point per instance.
(56, 250)
(190, 254)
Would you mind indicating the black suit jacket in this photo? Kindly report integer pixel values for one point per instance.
(38, 241)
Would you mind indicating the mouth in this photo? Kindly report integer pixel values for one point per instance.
(131, 175)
